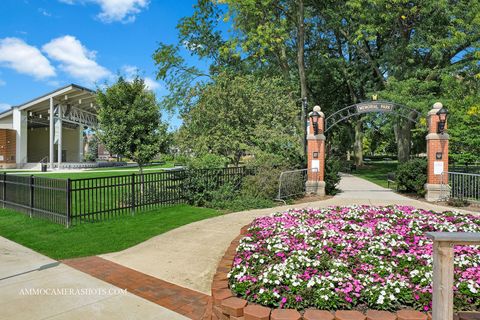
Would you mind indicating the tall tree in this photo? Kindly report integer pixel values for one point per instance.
(130, 121)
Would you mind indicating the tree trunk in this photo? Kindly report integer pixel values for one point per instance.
(358, 144)
(403, 137)
(301, 70)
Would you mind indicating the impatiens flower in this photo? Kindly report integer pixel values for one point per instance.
(344, 257)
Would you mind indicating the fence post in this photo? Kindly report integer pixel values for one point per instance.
(4, 191)
(443, 270)
(69, 201)
(32, 193)
(133, 194)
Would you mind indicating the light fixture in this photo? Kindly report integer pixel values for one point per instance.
(314, 116)
(442, 119)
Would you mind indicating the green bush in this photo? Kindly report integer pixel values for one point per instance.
(229, 197)
(332, 175)
(264, 184)
(411, 176)
(206, 161)
(200, 186)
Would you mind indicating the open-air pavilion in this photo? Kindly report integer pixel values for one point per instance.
(48, 129)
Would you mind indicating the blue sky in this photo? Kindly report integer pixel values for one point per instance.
(46, 44)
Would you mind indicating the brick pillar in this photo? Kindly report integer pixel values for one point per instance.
(437, 156)
(316, 157)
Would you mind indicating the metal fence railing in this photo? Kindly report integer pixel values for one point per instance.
(293, 182)
(465, 168)
(462, 186)
(35, 196)
(72, 201)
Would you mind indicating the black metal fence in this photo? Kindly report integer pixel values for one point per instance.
(72, 201)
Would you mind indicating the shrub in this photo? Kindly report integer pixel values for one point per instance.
(264, 184)
(411, 176)
(200, 186)
(332, 175)
(455, 202)
(229, 197)
(207, 161)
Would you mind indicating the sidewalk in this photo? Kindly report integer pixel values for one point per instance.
(22, 269)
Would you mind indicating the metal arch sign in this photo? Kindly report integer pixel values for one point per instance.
(374, 107)
(371, 106)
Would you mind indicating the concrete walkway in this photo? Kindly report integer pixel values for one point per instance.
(187, 256)
(357, 188)
(67, 293)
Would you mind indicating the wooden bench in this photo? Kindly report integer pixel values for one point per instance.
(443, 243)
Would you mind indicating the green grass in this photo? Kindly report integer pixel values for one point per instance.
(88, 239)
(376, 171)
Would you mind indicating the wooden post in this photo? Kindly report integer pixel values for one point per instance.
(443, 243)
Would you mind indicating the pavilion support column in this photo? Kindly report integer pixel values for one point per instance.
(80, 143)
(21, 128)
(60, 138)
(51, 154)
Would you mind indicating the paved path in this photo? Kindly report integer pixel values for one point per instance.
(22, 269)
(357, 188)
(189, 303)
(187, 256)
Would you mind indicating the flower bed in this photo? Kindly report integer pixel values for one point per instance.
(354, 257)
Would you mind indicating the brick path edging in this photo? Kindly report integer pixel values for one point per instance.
(224, 304)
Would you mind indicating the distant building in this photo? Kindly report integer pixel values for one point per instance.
(48, 129)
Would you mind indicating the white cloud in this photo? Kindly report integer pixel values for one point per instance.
(152, 84)
(131, 71)
(4, 107)
(24, 58)
(44, 12)
(116, 10)
(75, 59)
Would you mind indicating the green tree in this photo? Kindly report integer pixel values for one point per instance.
(243, 114)
(336, 53)
(130, 121)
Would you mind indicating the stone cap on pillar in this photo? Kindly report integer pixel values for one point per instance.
(317, 109)
(436, 106)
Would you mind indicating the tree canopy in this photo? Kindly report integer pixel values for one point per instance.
(337, 53)
(130, 120)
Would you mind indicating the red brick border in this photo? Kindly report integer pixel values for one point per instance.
(187, 302)
(225, 306)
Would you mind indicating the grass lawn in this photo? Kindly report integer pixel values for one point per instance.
(376, 171)
(88, 239)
